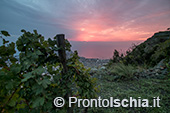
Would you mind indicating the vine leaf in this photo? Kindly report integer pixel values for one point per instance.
(45, 83)
(39, 101)
(4, 41)
(37, 89)
(5, 33)
(27, 76)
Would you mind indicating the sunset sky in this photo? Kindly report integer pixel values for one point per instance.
(87, 20)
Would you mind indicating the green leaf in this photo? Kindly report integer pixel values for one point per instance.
(4, 41)
(44, 82)
(23, 31)
(38, 52)
(41, 39)
(27, 76)
(51, 42)
(9, 86)
(39, 70)
(35, 31)
(37, 102)
(15, 69)
(37, 89)
(26, 64)
(56, 48)
(5, 33)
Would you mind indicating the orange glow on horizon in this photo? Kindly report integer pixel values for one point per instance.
(100, 27)
(96, 30)
(98, 34)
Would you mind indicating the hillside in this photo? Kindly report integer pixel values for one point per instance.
(151, 51)
(144, 72)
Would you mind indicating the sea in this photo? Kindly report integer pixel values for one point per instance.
(102, 50)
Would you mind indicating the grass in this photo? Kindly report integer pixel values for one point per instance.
(143, 87)
(123, 72)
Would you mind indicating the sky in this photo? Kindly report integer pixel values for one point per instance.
(87, 21)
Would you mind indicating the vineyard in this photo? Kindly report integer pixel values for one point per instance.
(42, 72)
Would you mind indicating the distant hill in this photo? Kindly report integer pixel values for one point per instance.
(150, 52)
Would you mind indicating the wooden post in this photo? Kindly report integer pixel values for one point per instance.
(62, 52)
(62, 57)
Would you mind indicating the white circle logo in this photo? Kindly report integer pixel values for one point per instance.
(59, 102)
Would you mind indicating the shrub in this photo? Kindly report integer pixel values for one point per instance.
(162, 52)
(123, 72)
(168, 66)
